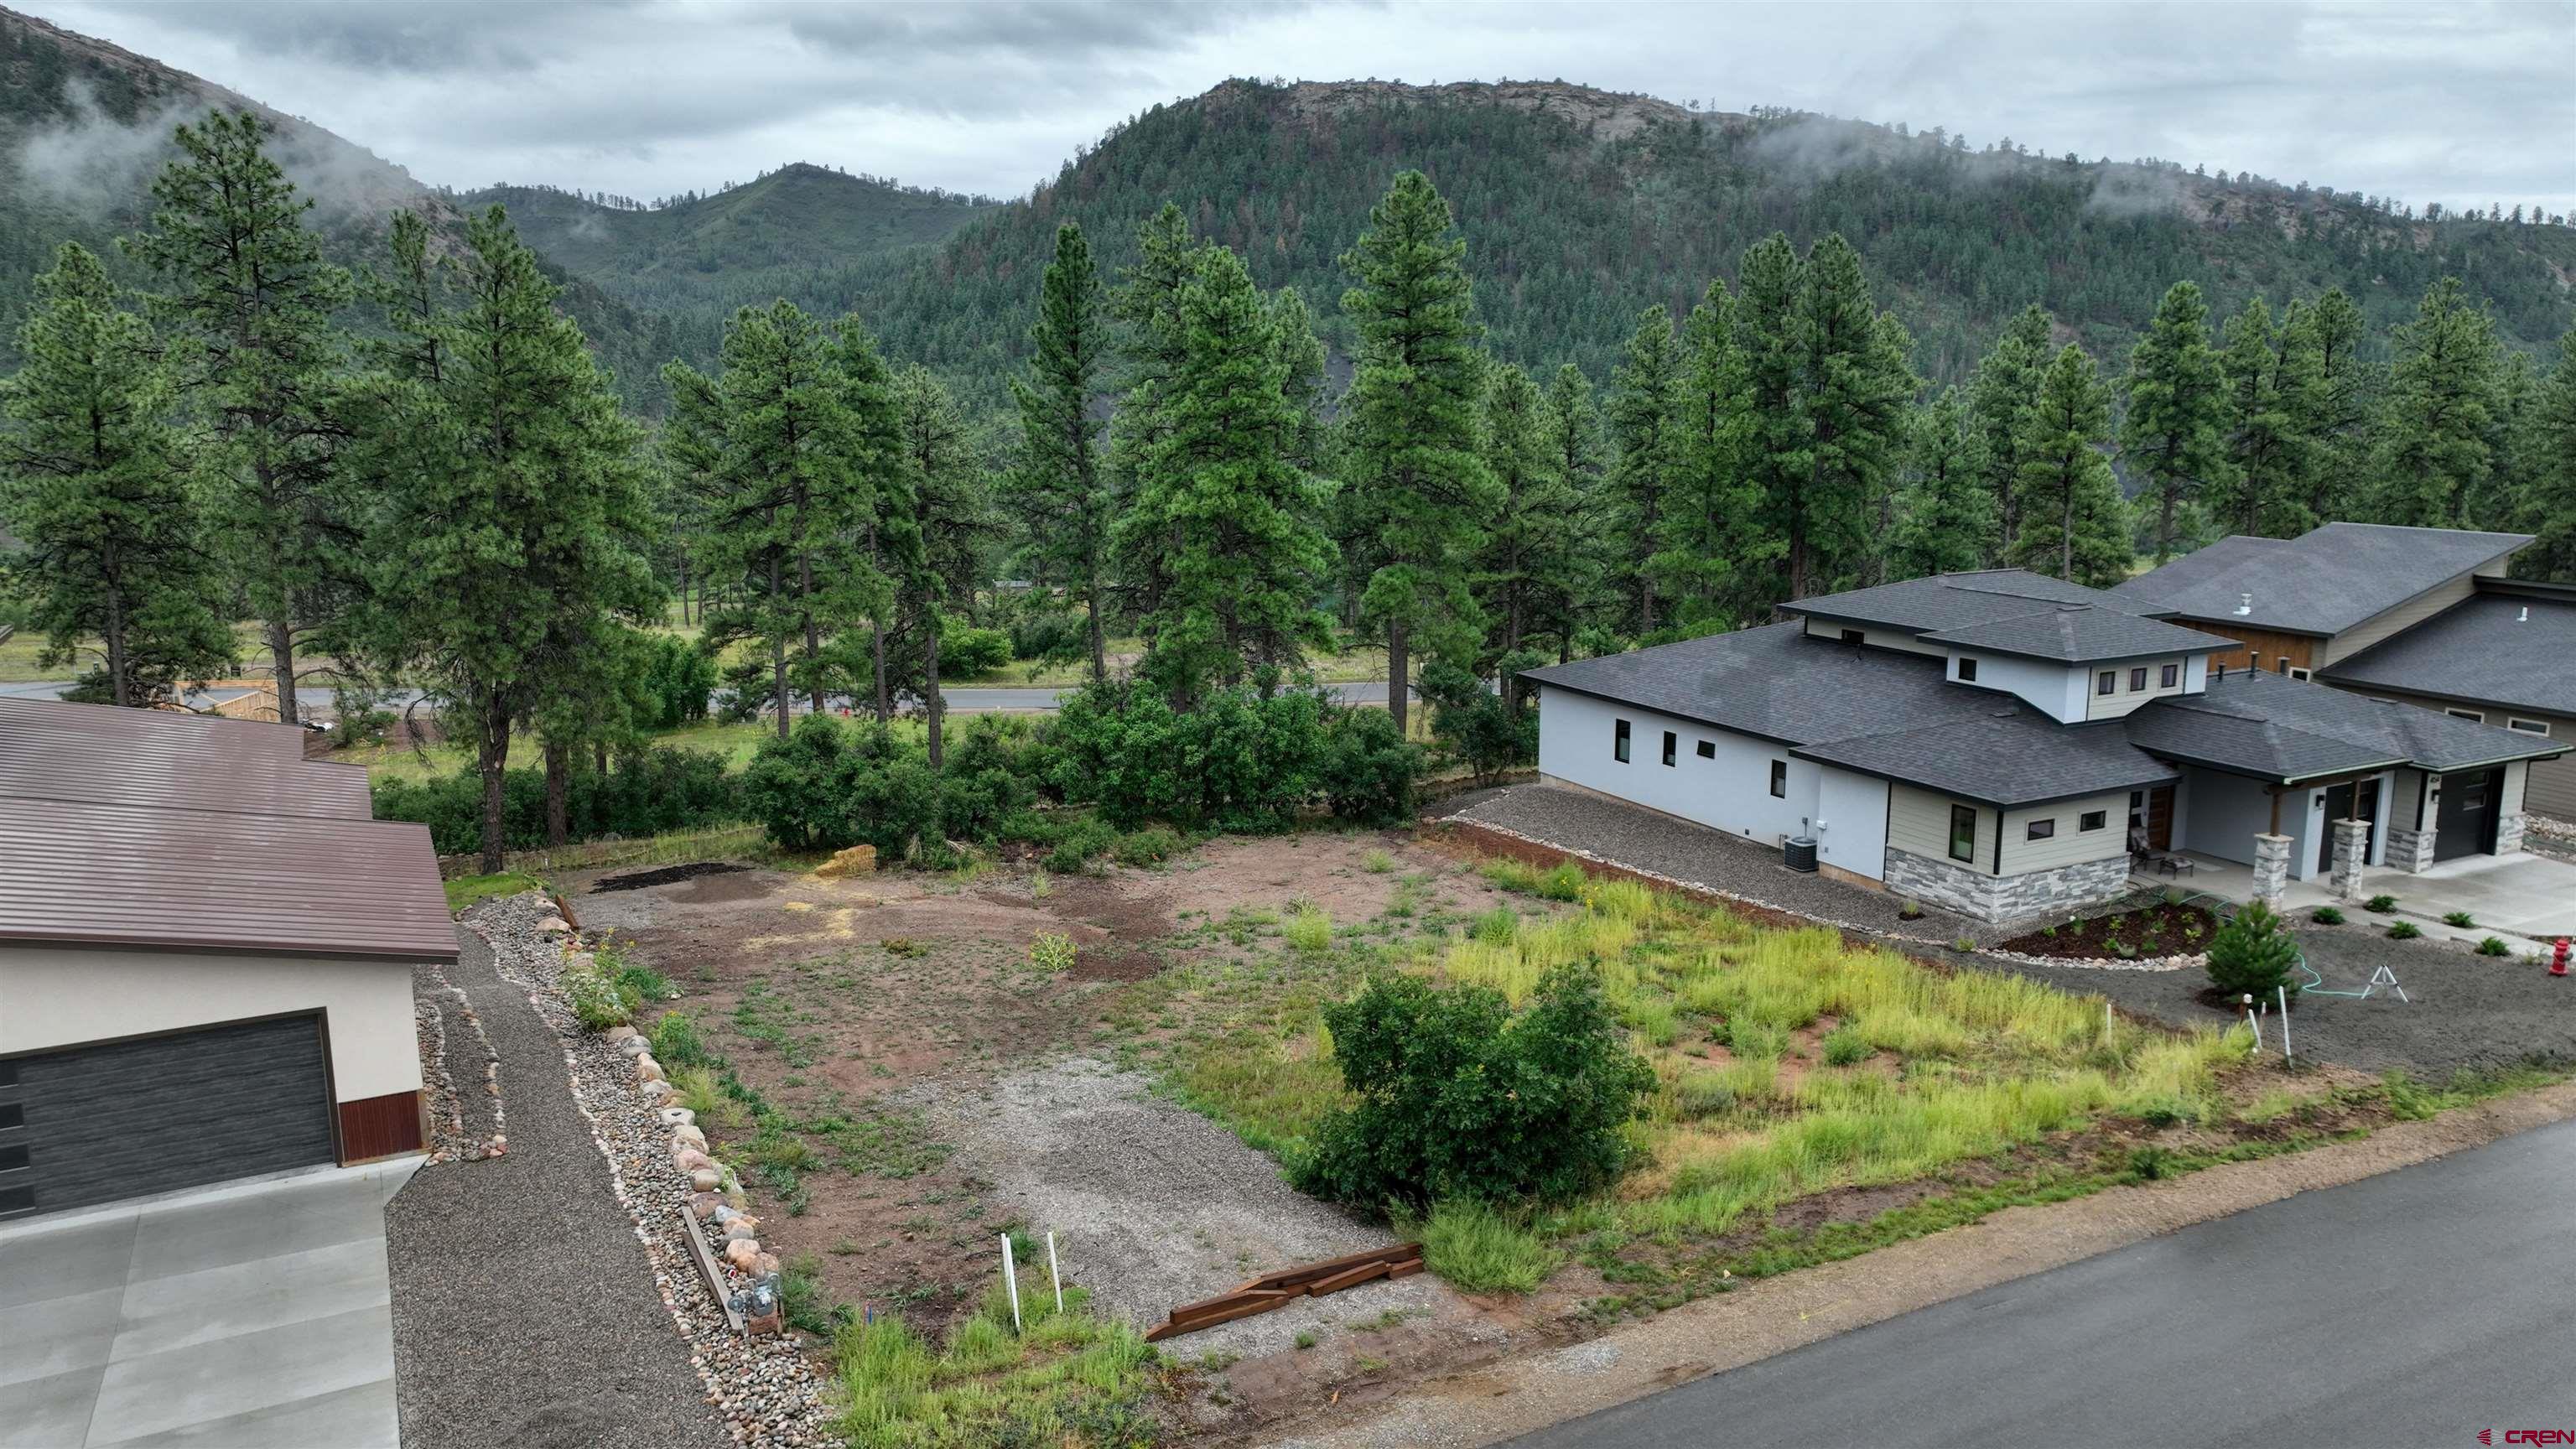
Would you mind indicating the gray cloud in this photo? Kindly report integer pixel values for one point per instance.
(2460, 103)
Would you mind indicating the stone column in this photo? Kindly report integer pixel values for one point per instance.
(2410, 850)
(2508, 834)
(2351, 853)
(2271, 869)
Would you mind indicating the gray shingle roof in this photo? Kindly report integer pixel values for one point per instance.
(2010, 755)
(2484, 650)
(2290, 729)
(2077, 634)
(1955, 601)
(1776, 683)
(2322, 582)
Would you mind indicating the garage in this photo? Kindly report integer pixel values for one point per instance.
(2466, 815)
(157, 1114)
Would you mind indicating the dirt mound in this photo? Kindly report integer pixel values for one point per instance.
(636, 880)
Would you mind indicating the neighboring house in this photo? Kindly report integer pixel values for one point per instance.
(206, 956)
(1990, 742)
(2421, 615)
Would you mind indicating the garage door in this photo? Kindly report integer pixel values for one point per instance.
(92, 1124)
(2465, 819)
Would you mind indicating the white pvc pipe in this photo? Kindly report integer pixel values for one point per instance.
(1011, 1280)
(1053, 1276)
(2283, 992)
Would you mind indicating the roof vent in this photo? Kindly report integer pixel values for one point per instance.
(2244, 604)
(2525, 616)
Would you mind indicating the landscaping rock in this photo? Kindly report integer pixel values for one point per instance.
(631, 1044)
(554, 926)
(621, 1034)
(685, 1135)
(742, 1253)
(648, 1070)
(678, 1117)
(689, 1159)
(704, 1205)
(706, 1179)
(656, 1091)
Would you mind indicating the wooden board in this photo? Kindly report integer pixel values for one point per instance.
(1350, 1278)
(708, 1272)
(1310, 1272)
(1272, 1291)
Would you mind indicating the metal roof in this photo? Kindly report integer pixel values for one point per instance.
(149, 757)
(2516, 650)
(178, 832)
(2323, 582)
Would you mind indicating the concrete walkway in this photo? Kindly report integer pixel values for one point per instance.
(524, 1310)
(249, 1314)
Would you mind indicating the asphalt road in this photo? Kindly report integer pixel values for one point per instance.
(965, 699)
(2412, 1309)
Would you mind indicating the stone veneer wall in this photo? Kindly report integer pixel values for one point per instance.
(2508, 834)
(1954, 887)
(2410, 850)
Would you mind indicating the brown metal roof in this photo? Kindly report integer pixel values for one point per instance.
(175, 831)
(90, 874)
(178, 761)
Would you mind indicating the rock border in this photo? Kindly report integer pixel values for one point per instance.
(769, 1393)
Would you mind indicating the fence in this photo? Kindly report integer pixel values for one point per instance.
(592, 854)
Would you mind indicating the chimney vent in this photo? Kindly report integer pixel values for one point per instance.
(2244, 604)
(2525, 616)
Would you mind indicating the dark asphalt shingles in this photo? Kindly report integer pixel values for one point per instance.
(525, 1312)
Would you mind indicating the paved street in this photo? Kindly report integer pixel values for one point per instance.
(2412, 1309)
(962, 699)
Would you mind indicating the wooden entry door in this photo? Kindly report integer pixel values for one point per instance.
(2340, 805)
(2160, 817)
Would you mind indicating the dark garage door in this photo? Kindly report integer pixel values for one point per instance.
(2465, 819)
(92, 1124)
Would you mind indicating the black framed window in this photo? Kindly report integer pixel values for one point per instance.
(2109, 681)
(1967, 669)
(1672, 748)
(1619, 741)
(2138, 678)
(2172, 672)
(1854, 636)
(2093, 820)
(1963, 832)
(1780, 778)
(2529, 726)
(2042, 829)
(2466, 714)
(1708, 749)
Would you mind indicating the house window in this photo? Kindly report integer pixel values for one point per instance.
(2109, 680)
(1672, 748)
(1963, 833)
(1967, 670)
(1708, 749)
(2137, 679)
(2042, 829)
(2529, 726)
(2298, 673)
(2172, 673)
(1780, 779)
(2093, 820)
(1854, 636)
(1619, 742)
(2466, 714)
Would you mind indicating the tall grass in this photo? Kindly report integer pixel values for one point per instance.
(1067, 1377)
(1483, 1250)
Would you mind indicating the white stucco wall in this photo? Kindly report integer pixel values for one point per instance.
(2052, 689)
(1731, 792)
(1851, 822)
(57, 996)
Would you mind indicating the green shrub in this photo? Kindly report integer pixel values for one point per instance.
(1458, 1097)
(2404, 931)
(2326, 916)
(1308, 929)
(2253, 954)
(966, 651)
(1238, 761)
(596, 1001)
(2382, 904)
(1052, 952)
(676, 1042)
(1377, 862)
(2494, 946)
(1496, 927)
(1368, 772)
(1151, 846)
(648, 792)
(1477, 1248)
(1077, 842)
(1487, 730)
(2461, 919)
(1845, 1045)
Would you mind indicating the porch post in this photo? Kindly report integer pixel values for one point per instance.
(2271, 868)
(2351, 854)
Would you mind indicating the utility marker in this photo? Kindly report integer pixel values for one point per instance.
(1011, 1280)
(1052, 1275)
(2283, 992)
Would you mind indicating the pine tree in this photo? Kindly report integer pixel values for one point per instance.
(2548, 501)
(2007, 380)
(249, 305)
(2075, 525)
(2335, 411)
(1945, 517)
(937, 521)
(93, 483)
(520, 523)
(1770, 350)
(1854, 399)
(1058, 488)
(1146, 304)
(1418, 486)
(2433, 446)
(1301, 356)
(1574, 451)
(1644, 441)
(2263, 487)
(2176, 405)
(1702, 529)
(1530, 571)
(2495, 502)
(1227, 521)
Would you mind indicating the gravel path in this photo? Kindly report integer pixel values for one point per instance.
(525, 1313)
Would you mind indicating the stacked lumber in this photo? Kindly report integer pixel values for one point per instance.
(1278, 1290)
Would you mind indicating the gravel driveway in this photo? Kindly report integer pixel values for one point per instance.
(525, 1313)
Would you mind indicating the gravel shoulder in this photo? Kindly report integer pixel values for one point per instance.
(525, 1312)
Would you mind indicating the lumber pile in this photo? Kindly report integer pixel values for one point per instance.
(1278, 1290)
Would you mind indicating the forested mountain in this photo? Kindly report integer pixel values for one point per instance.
(84, 125)
(799, 231)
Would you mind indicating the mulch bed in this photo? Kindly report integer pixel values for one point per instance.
(2155, 930)
(636, 880)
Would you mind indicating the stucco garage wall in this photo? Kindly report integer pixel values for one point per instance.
(55, 996)
(1731, 792)
(2228, 811)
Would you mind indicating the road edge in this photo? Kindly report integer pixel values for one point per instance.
(1507, 1398)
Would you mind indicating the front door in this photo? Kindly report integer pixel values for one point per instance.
(2465, 822)
(2340, 806)
(2160, 818)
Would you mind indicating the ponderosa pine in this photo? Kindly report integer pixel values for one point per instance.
(1057, 487)
(2176, 394)
(2075, 525)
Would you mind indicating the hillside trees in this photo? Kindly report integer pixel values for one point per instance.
(1644, 442)
(1697, 545)
(2006, 381)
(517, 524)
(1530, 569)
(249, 303)
(1057, 486)
(1945, 517)
(2074, 524)
(2549, 451)
(2176, 403)
(935, 520)
(2267, 451)
(94, 481)
(1418, 487)
(2433, 447)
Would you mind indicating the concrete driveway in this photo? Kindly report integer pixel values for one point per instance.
(256, 1314)
(2523, 894)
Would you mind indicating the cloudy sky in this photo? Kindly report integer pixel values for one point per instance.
(2459, 103)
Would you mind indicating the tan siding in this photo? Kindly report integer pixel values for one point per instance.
(2405, 616)
(2123, 699)
(1879, 638)
(2071, 845)
(1918, 821)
